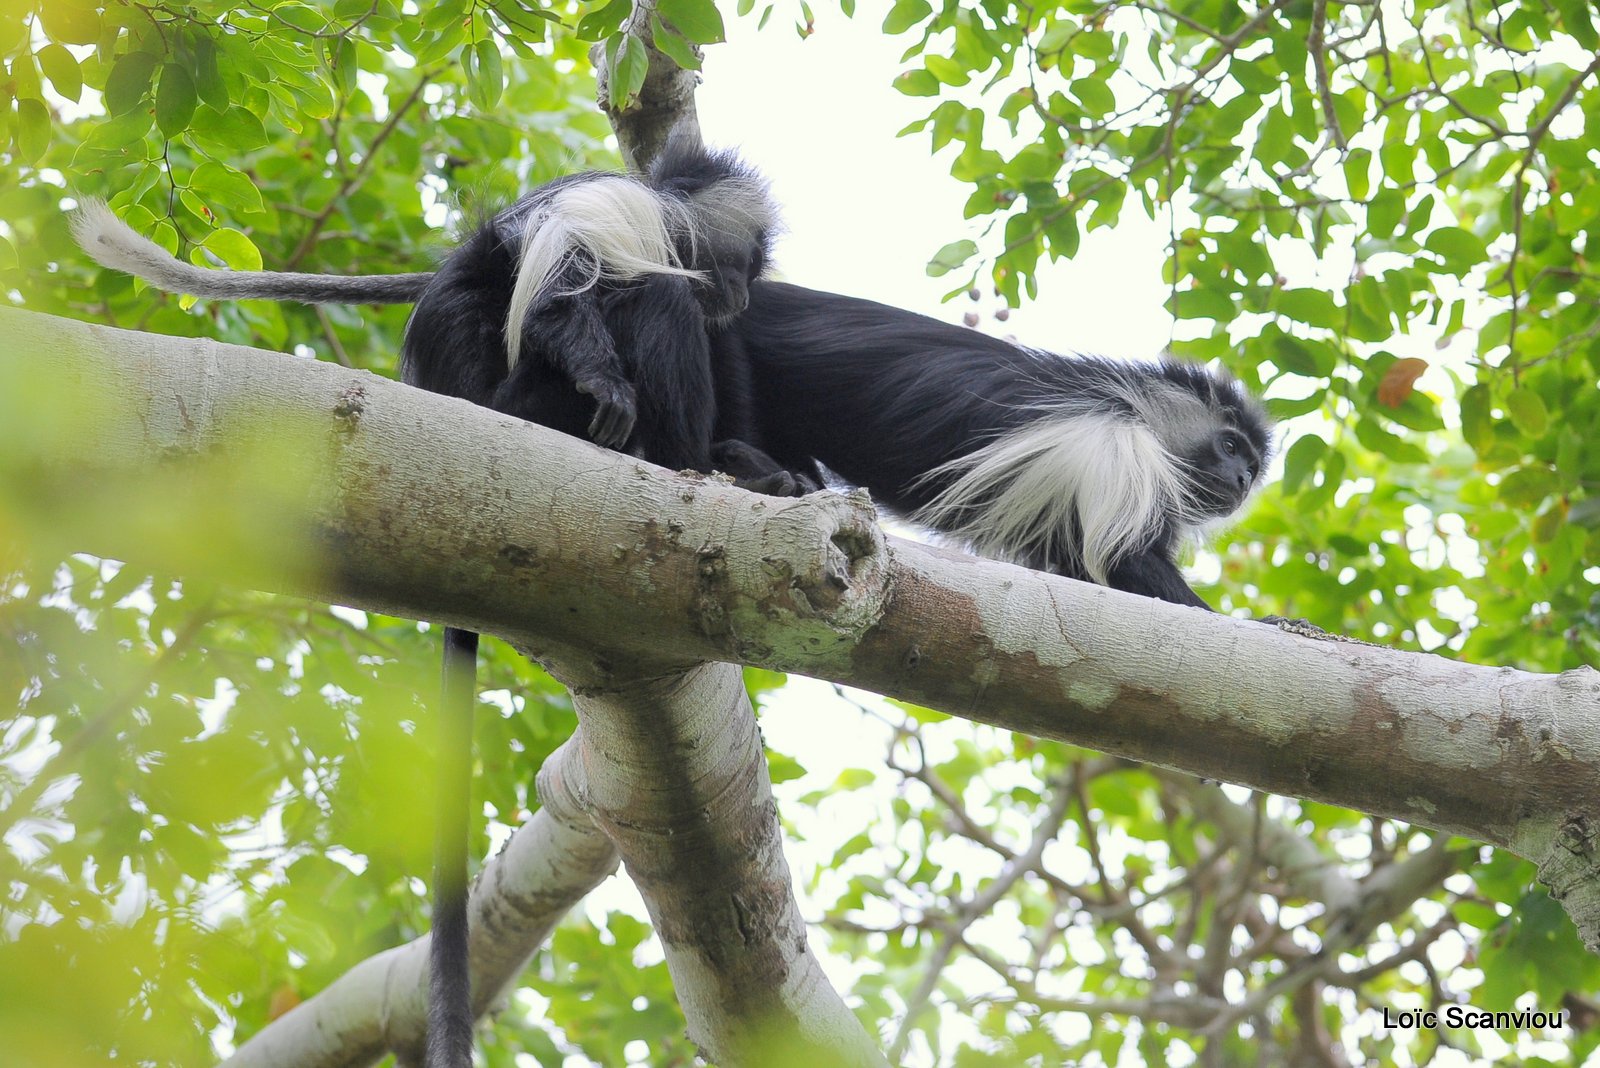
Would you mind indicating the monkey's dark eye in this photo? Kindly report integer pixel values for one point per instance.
(1229, 446)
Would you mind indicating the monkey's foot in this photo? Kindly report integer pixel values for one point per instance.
(757, 472)
(1294, 625)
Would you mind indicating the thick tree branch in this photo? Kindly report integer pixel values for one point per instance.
(425, 506)
(673, 771)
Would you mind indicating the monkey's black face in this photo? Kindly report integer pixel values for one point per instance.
(725, 292)
(1224, 470)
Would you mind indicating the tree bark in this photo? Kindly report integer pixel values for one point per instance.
(665, 102)
(416, 505)
(674, 773)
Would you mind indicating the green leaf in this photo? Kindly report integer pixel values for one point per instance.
(605, 21)
(854, 779)
(784, 768)
(175, 99)
(1095, 95)
(70, 21)
(917, 83)
(300, 17)
(486, 87)
(1460, 249)
(1577, 19)
(1202, 304)
(228, 133)
(208, 81)
(345, 64)
(25, 80)
(214, 181)
(1528, 412)
(946, 70)
(443, 14)
(1283, 408)
(33, 130)
(1252, 78)
(1301, 461)
(633, 63)
(1275, 138)
(441, 46)
(129, 81)
(1302, 356)
(1527, 486)
(61, 68)
(906, 14)
(951, 256)
(698, 20)
(121, 133)
(1310, 306)
(672, 44)
(1384, 213)
(1357, 172)
(233, 248)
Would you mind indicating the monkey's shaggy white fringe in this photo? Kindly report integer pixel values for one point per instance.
(735, 208)
(1103, 476)
(612, 227)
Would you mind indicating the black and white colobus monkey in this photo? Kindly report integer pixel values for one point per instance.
(1090, 468)
(585, 306)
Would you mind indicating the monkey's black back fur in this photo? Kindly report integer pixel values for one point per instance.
(886, 398)
(455, 345)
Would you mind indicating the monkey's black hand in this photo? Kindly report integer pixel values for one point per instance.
(616, 409)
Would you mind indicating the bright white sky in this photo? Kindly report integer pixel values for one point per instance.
(867, 210)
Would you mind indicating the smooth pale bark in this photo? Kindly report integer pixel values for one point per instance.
(674, 773)
(428, 507)
(549, 865)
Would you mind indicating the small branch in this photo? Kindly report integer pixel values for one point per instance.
(665, 101)
(978, 907)
(355, 178)
(1319, 62)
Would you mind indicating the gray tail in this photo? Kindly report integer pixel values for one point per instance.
(114, 244)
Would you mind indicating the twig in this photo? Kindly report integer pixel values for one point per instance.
(321, 220)
(1319, 62)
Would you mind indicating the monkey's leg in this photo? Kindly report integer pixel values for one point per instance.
(739, 448)
(570, 334)
(661, 333)
(1150, 573)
